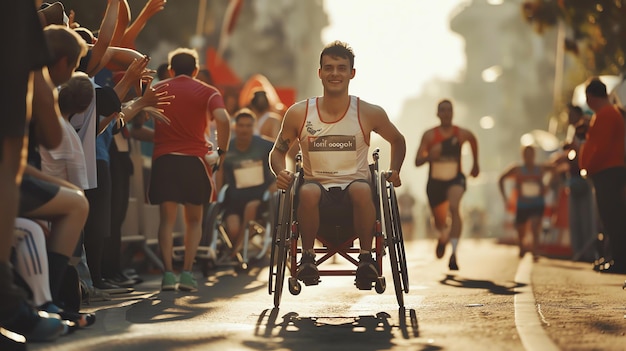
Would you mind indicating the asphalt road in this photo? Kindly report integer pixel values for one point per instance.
(494, 302)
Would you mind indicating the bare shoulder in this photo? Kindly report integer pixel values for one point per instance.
(295, 115)
(369, 110)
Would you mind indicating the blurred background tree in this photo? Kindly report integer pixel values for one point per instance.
(595, 30)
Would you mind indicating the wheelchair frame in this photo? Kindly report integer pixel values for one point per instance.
(215, 238)
(387, 237)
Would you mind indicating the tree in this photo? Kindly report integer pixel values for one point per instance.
(596, 30)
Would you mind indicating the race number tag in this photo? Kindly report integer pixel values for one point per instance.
(333, 155)
(444, 170)
(248, 173)
(530, 189)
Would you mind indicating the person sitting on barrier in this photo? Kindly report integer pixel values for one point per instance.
(247, 173)
(333, 132)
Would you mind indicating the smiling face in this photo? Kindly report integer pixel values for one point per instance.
(335, 74)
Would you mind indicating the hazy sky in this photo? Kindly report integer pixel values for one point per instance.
(399, 46)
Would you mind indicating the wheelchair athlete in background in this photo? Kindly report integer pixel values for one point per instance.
(246, 173)
(333, 132)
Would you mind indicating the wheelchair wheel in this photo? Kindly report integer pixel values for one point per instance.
(280, 244)
(399, 239)
(207, 241)
(390, 238)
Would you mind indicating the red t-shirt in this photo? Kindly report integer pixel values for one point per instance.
(190, 112)
(604, 147)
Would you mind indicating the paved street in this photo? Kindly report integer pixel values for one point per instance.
(494, 302)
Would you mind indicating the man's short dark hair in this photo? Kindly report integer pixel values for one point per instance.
(596, 88)
(183, 61)
(244, 113)
(338, 49)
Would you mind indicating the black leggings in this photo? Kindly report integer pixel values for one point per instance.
(98, 226)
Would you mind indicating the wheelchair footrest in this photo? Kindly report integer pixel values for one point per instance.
(308, 281)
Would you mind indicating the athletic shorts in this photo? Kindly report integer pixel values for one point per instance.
(437, 190)
(35, 193)
(523, 214)
(179, 178)
(335, 205)
(235, 202)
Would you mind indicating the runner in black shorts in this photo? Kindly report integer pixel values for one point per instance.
(441, 149)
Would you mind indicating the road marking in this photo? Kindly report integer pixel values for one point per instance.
(527, 322)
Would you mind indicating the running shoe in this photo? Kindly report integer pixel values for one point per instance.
(168, 282)
(441, 248)
(187, 282)
(307, 270)
(366, 272)
(452, 264)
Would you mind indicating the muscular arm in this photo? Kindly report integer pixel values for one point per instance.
(287, 136)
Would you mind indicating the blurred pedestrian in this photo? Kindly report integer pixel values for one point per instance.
(602, 159)
(581, 200)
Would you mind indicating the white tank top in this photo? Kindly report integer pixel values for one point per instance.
(334, 154)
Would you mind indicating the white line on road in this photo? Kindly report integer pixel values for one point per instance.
(529, 327)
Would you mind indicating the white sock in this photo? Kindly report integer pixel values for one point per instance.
(31, 259)
(454, 242)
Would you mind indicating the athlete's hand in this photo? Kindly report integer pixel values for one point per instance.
(475, 170)
(284, 179)
(393, 177)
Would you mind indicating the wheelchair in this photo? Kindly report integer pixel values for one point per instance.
(337, 238)
(215, 245)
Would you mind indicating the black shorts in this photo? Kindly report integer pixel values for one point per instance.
(179, 178)
(35, 193)
(523, 214)
(236, 201)
(335, 205)
(437, 190)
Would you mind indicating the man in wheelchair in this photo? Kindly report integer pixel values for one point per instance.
(247, 174)
(333, 132)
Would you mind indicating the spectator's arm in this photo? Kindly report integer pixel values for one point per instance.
(105, 35)
(150, 9)
(48, 128)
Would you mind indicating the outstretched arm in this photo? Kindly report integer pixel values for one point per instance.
(151, 8)
(105, 35)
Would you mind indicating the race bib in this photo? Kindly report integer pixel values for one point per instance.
(444, 170)
(530, 189)
(248, 174)
(333, 155)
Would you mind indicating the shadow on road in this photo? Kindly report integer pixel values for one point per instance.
(453, 280)
(370, 332)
